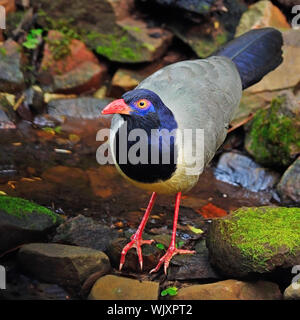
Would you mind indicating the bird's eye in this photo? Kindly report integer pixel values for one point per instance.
(143, 103)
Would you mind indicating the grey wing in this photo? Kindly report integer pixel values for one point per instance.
(202, 94)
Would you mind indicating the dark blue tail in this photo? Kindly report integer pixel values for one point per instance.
(255, 54)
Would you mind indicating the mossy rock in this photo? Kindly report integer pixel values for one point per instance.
(255, 240)
(22, 221)
(104, 28)
(274, 135)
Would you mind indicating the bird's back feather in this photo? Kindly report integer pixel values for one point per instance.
(202, 94)
(255, 54)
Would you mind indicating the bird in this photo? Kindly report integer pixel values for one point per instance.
(184, 96)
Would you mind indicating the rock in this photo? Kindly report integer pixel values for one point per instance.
(68, 66)
(22, 221)
(274, 133)
(82, 108)
(290, 65)
(124, 80)
(9, 5)
(7, 114)
(34, 98)
(107, 27)
(230, 290)
(207, 35)
(191, 267)
(11, 76)
(289, 185)
(20, 287)
(260, 15)
(85, 232)
(112, 287)
(61, 264)
(288, 3)
(194, 6)
(240, 170)
(255, 240)
(151, 255)
(200, 37)
(291, 292)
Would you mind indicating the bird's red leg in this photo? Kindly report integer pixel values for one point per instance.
(172, 250)
(136, 239)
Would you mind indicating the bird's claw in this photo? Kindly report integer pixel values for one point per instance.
(137, 244)
(171, 252)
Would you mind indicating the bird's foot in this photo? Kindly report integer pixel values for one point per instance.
(171, 252)
(136, 242)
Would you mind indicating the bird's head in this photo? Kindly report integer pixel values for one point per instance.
(135, 103)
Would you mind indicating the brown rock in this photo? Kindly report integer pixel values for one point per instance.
(61, 264)
(75, 72)
(260, 15)
(124, 80)
(112, 287)
(231, 290)
(292, 292)
(108, 27)
(9, 5)
(127, 79)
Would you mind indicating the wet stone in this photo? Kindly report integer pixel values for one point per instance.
(61, 264)
(22, 221)
(194, 266)
(112, 287)
(292, 292)
(240, 170)
(289, 185)
(85, 232)
(231, 290)
(83, 108)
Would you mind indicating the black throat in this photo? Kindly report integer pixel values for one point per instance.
(154, 143)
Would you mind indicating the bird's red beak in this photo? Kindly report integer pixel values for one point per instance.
(117, 106)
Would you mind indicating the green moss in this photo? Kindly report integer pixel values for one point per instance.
(273, 135)
(118, 48)
(3, 52)
(260, 232)
(20, 208)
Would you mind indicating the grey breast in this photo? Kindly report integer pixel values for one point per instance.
(202, 94)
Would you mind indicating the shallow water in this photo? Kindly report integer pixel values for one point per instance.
(34, 165)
